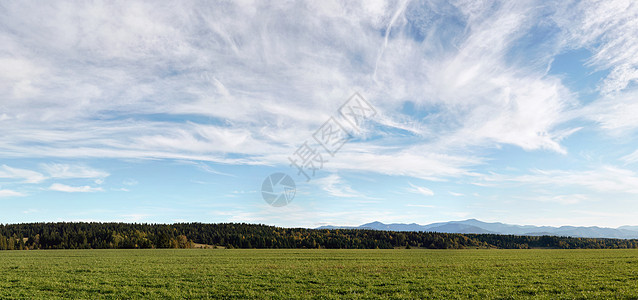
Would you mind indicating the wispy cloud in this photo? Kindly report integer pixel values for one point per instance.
(206, 168)
(607, 179)
(124, 109)
(57, 171)
(10, 193)
(631, 158)
(608, 28)
(420, 190)
(130, 182)
(420, 205)
(72, 171)
(615, 113)
(334, 185)
(134, 217)
(58, 187)
(27, 176)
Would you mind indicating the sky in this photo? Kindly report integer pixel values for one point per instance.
(523, 112)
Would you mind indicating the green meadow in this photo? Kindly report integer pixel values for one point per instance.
(372, 274)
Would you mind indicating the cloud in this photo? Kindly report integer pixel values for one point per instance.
(58, 187)
(334, 186)
(169, 82)
(565, 199)
(249, 92)
(604, 179)
(134, 217)
(58, 171)
(615, 113)
(608, 28)
(414, 162)
(27, 175)
(421, 205)
(206, 168)
(630, 158)
(10, 193)
(130, 182)
(552, 197)
(420, 190)
(72, 171)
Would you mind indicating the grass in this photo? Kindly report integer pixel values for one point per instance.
(198, 273)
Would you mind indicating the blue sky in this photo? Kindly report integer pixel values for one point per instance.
(521, 112)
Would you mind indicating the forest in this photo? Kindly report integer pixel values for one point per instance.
(83, 235)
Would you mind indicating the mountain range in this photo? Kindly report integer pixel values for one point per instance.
(476, 226)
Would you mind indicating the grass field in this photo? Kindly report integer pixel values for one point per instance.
(410, 273)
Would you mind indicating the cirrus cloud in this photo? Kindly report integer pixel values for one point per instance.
(58, 187)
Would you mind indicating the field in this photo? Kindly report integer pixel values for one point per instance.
(199, 273)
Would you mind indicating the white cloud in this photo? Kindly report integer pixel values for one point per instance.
(134, 217)
(334, 186)
(609, 28)
(414, 162)
(615, 113)
(27, 175)
(604, 179)
(130, 182)
(206, 168)
(10, 193)
(265, 88)
(548, 197)
(631, 158)
(420, 190)
(58, 187)
(72, 171)
(421, 205)
(492, 99)
(248, 92)
(567, 199)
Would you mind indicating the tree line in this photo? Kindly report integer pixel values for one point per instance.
(82, 235)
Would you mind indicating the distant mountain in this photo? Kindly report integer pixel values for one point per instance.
(633, 228)
(459, 228)
(476, 226)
